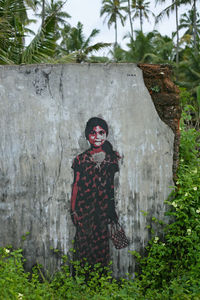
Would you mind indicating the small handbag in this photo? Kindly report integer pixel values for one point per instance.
(118, 236)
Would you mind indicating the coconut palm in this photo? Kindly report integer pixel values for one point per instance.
(130, 17)
(55, 9)
(171, 8)
(140, 47)
(13, 28)
(195, 26)
(141, 11)
(190, 78)
(118, 54)
(190, 70)
(74, 41)
(13, 20)
(42, 48)
(187, 22)
(113, 10)
(43, 12)
(163, 50)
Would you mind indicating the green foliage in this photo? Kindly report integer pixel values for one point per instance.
(155, 89)
(42, 47)
(74, 41)
(198, 100)
(190, 105)
(171, 267)
(87, 282)
(187, 22)
(189, 70)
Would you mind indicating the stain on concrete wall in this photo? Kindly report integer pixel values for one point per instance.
(44, 110)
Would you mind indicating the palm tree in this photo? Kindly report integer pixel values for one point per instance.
(151, 47)
(42, 48)
(13, 20)
(141, 9)
(171, 8)
(43, 12)
(195, 26)
(74, 41)
(54, 8)
(190, 79)
(113, 10)
(189, 71)
(13, 27)
(187, 22)
(130, 17)
(163, 47)
(140, 47)
(118, 54)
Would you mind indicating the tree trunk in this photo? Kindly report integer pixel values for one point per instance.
(115, 32)
(195, 27)
(130, 20)
(177, 35)
(141, 20)
(43, 12)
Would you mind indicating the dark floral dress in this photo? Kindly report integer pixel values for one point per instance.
(95, 206)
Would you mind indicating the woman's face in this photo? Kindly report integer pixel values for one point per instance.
(97, 137)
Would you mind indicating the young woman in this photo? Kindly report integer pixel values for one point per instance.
(92, 201)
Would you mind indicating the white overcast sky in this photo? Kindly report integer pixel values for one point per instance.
(88, 13)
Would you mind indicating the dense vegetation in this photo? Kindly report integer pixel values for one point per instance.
(170, 268)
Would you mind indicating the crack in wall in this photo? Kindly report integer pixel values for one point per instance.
(59, 106)
(61, 85)
(46, 76)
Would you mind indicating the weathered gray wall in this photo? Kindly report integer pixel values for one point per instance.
(43, 112)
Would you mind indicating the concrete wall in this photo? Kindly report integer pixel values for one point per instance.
(43, 112)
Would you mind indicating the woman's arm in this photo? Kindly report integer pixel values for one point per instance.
(112, 212)
(73, 198)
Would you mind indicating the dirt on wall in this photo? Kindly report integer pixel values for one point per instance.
(165, 96)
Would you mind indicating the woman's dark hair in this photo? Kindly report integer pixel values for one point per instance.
(93, 122)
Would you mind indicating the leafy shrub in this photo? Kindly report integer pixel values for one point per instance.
(172, 263)
(87, 282)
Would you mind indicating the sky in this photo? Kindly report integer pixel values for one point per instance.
(88, 13)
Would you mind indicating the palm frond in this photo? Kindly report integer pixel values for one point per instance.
(4, 59)
(96, 47)
(69, 58)
(43, 45)
(94, 33)
(165, 12)
(195, 73)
